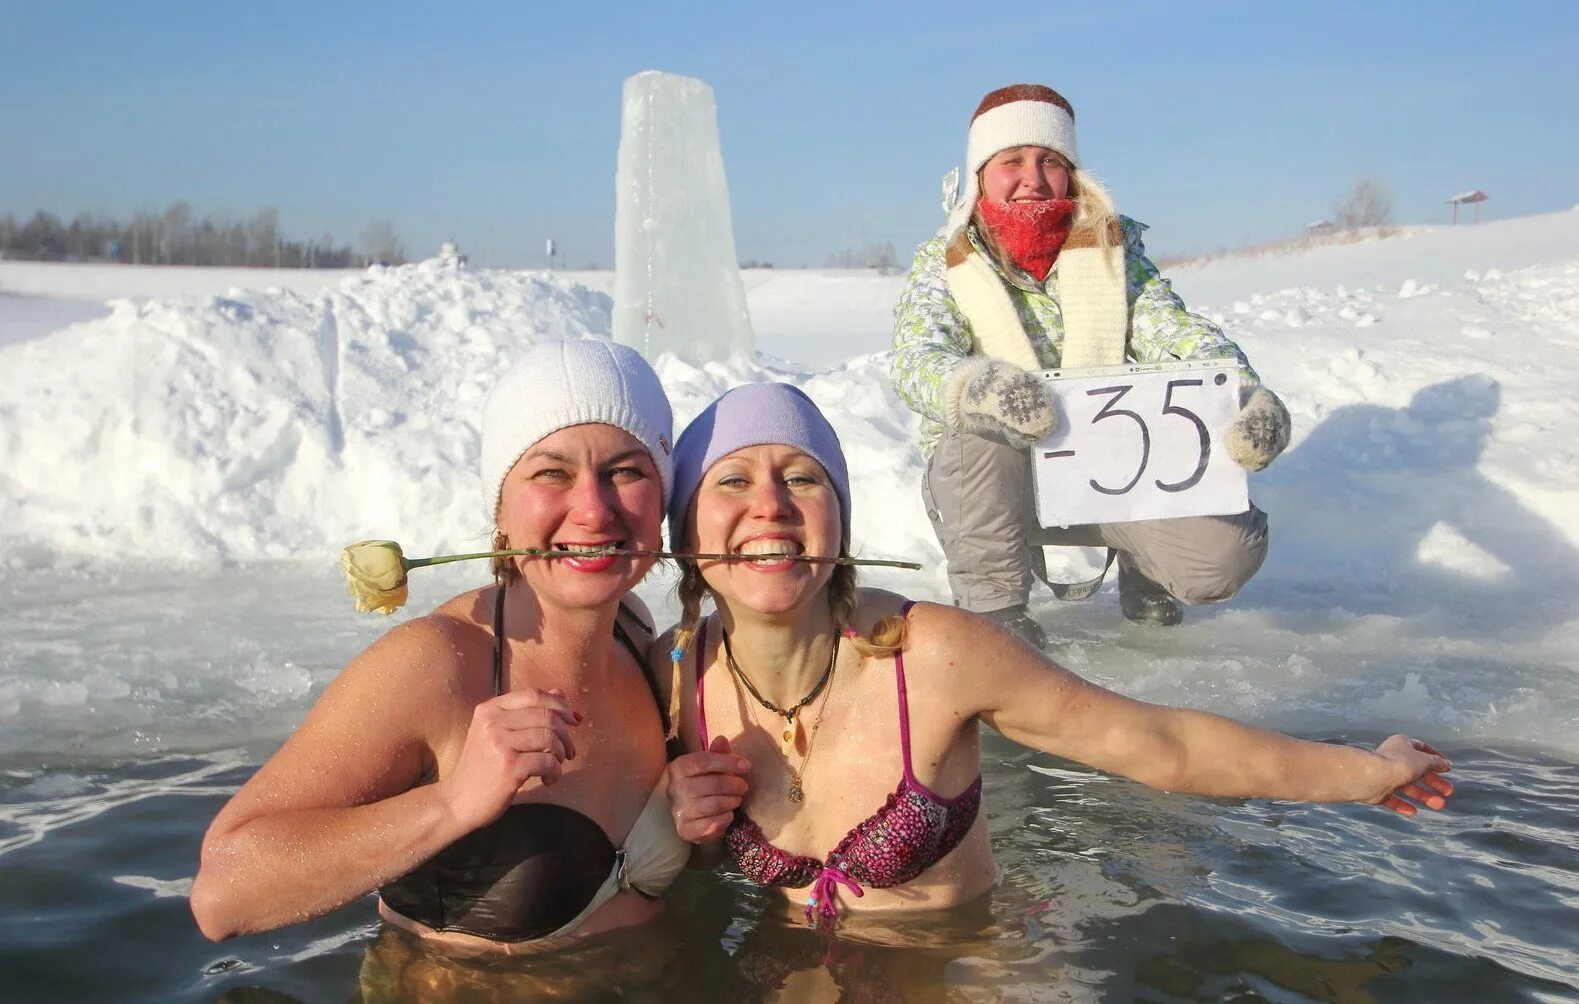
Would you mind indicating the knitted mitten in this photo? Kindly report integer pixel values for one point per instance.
(992, 398)
(1259, 432)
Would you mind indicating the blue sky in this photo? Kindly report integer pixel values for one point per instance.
(1217, 123)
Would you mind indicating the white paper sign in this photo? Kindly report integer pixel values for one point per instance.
(1140, 442)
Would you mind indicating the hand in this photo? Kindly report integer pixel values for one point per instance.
(705, 789)
(1259, 432)
(1419, 776)
(512, 738)
(992, 398)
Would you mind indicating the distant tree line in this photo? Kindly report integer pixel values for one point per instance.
(878, 256)
(177, 237)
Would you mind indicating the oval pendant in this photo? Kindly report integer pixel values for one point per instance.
(794, 794)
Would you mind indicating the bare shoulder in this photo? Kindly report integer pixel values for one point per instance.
(635, 607)
(969, 649)
(933, 635)
(930, 628)
(372, 731)
(873, 606)
(429, 655)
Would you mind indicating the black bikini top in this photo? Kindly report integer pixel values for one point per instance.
(531, 871)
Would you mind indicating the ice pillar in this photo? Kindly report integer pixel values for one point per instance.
(676, 281)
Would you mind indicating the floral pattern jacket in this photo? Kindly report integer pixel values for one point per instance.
(931, 336)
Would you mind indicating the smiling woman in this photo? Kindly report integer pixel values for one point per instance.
(1034, 271)
(849, 776)
(493, 769)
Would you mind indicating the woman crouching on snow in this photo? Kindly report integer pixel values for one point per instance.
(834, 730)
(493, 769)
(1034, 270)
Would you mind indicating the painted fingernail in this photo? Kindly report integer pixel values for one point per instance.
(742, 765)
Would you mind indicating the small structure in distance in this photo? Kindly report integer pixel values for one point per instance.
(1471, 198)
(1319, 229)
(450, 255)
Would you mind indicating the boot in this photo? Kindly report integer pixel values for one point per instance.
(1020, 624)
(1142, 600)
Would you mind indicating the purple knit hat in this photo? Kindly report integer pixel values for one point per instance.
(754, 414)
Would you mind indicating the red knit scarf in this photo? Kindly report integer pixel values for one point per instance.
(1031, 232)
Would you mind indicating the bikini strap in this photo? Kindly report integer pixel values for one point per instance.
(639, 654)
(904, 701)
(701, 705)
(498, 641)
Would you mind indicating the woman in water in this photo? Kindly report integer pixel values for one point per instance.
(835, 731)
(493, 769)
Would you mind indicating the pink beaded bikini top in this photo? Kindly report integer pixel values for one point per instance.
(912, 831)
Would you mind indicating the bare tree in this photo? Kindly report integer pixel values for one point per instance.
(1368, 204)
(380, 243)
(878, 256)
(173, 237)
(175, 233)
(263, 234)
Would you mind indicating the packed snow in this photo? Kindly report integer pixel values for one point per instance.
(679, 288)
(1423, 558)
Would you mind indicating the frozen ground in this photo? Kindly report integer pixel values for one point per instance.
(178, 470)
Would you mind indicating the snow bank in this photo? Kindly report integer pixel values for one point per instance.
(98, 281)
(1437, 255)
(269, 424)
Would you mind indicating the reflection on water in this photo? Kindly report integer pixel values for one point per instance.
(632, 965)
(1218, 966)
(721, 944)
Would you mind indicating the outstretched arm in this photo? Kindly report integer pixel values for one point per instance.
(1035, 702)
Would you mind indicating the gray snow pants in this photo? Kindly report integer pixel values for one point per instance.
(979, 496)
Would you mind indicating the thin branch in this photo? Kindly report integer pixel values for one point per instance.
(605, 552)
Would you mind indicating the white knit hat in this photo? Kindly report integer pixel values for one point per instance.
(1017, 115)
(558, 384)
